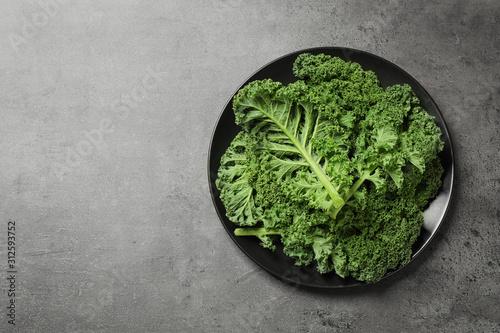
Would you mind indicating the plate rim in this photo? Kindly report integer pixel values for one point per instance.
(347, 51)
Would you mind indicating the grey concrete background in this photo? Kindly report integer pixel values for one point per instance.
(107, 109)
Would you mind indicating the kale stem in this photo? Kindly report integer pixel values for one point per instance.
(352, 190)
(255, 232)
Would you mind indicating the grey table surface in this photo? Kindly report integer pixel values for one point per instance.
(107, 110)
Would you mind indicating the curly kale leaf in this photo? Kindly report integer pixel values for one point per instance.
(333, 166)
(235, 176)
(291, 125)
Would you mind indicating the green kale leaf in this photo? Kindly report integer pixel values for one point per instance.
(334, 167)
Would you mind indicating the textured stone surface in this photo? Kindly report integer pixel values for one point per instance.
(106, 114)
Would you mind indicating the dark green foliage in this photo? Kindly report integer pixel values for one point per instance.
(333, 166)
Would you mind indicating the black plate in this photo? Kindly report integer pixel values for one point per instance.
(276, 262)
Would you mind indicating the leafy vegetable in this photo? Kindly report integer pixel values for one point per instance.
(334, 167)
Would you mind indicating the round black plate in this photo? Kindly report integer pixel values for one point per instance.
(276, 262)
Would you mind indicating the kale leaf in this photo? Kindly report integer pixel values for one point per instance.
(334, 167)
